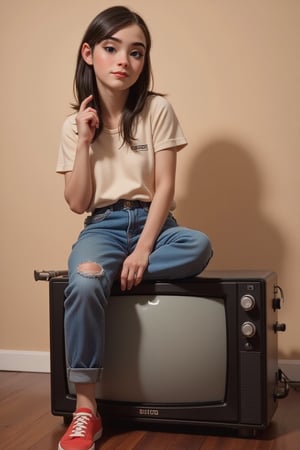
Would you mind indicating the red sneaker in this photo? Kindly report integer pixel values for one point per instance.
(83, 431)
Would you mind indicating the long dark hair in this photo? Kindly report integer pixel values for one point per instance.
(102, 27)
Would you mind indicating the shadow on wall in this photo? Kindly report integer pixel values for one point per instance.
(223, 200)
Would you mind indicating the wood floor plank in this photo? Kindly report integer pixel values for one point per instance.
(118, 439)
(26, 423)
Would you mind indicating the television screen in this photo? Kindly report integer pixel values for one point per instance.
(164, 349)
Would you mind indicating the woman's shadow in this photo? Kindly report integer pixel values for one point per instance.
(224, 199)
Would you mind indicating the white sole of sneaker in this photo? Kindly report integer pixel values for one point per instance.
(96, 437)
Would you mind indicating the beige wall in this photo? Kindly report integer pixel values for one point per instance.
(232, 70)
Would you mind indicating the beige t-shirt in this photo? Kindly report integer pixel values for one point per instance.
(124, 172)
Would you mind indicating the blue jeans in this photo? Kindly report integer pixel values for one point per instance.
(108, 238)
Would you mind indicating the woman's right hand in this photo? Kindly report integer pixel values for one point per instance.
(78, 182)
(87, 121)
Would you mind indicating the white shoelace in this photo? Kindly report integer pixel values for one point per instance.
(80, 422)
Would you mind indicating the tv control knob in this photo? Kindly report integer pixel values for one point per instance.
(247, 302)
(248, 329)
(279, 327)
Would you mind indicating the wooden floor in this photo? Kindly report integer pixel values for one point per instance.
(26, 423)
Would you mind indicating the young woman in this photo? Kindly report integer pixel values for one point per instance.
(118, 157)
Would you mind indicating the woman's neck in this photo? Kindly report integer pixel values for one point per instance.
(112, 105)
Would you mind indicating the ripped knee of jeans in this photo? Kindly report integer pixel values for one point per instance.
(90, 269)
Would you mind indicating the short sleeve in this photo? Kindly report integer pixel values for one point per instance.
(166, 129)
(68, 145)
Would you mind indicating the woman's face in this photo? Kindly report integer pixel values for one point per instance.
(119, 60)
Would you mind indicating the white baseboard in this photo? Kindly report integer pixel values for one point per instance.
(24, 361)
(291, 368)
(30, 361)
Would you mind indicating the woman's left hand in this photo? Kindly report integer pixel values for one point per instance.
(133, 268)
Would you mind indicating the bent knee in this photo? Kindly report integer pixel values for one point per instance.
(90, 269)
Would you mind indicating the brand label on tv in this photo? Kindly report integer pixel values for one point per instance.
(148, 412)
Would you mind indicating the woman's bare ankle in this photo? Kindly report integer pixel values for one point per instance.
(86, 397)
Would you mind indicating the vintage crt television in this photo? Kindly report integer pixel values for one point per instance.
(200, 351)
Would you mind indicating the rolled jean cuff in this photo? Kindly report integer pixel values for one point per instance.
(84, 375)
